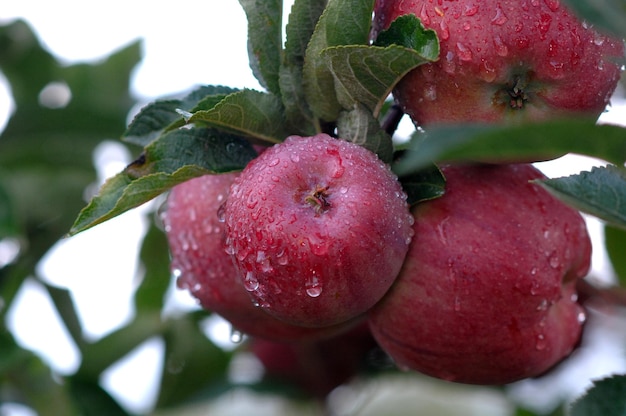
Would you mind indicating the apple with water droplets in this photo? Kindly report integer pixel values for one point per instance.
(505, 60)
(195, 235)
(487, 294)
(318, 228)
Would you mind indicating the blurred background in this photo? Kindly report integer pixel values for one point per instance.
(96, 65)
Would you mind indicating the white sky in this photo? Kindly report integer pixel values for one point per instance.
(190, 43)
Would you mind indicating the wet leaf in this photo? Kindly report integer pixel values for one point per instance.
(172, 159)
(503, 144)
(250, 113)
(162, 115)
(607, 15)
(601, 192)
(342, 23)
(424, 185)
(359, 126)
(265, 40)
(366, 74)
(302, 20)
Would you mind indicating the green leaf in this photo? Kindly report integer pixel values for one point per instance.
(408, 31)
(265, 40)
(367, 74)
(601, 192)
(359, 126)
(615, 244)
(607, 15)
(425, 185)
(162, 115)
(250, 113)
(302, 20)
(538, 141)
(343, 22)
(156, 265)
(100, 355)
(607, 397)
(192, 363)
(92, 399)
(8, 219)
(172, 159)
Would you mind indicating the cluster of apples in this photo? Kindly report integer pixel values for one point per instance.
(314, 238)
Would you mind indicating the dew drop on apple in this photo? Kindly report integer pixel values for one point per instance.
(250, 282)
(554, 261)
(501, 49)
(581, 317)
(445, 30)
(430, 92)
(499, 18)
(541, 342)
(424, 17)
(465, 54)
(470, 9)
(313, 286)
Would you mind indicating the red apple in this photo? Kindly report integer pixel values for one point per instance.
(315, 367)
(318, 228)
(487, 294)
(196, 239)
(511, 60)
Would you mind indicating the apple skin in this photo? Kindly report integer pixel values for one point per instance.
(318, 228)
(316, 367)
(487, 294)
(505, 60)
(196, 238)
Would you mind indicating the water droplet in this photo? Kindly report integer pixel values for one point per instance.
(500, 18)
(541, 342)
(221, 213)
(313, 286)
(554, 261)
(294, 158)
(465, 54)
(236, 336)
(470, 9)
(553, 4)
(445, 30)
(424, 17)
(487, 72)
(501, 48)
(543, 305)
(581, 317)
(250, 282)
(430, 92)
(533, 271)
(448, 64)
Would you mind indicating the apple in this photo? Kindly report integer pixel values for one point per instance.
(315, 367)
(505, 60)
(487, 294)
(318, 228)
(195, 235)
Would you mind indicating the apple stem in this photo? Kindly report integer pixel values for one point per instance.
(392, 119)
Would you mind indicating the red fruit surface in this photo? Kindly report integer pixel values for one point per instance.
(196, 239)
(487, 294)
(319, 228)
(509, 60)
(316, 367)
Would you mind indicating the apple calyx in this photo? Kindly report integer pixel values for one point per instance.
(517, 93)
(318, 199)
